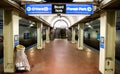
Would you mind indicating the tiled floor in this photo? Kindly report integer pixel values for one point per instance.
(62, 57)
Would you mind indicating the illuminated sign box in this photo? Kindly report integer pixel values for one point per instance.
(79, 9)
(38, 8)
(59, 8)
(83, 0)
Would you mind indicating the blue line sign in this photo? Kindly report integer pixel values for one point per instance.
(102, 42)
(79, 9)
(38, 8)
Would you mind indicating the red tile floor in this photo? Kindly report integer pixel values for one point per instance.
(62, 57)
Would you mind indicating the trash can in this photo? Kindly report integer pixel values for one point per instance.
(22, 63)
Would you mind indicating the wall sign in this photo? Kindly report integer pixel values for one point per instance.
(38, 8)
(101, 42)
(16, 40)
(58, 8)
(98, 36)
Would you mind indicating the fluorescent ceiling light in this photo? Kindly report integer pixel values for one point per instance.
(35, 0)
(82, 0)
(31, 25)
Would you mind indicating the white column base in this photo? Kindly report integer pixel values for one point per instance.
(80, 48)
(43, 45)
(73, 42)
(47, 41)
(39, 47)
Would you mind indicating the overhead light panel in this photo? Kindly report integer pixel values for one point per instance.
(31, 25)
(83, 0)
(34, 0)
(23, 2)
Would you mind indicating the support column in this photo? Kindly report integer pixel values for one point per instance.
(80, 36)
(39, 36)
(47, 35)
(11, 39)
(73, 35)
(107, 42)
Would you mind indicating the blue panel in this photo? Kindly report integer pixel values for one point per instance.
(16, 43)
(101, 45)
(102, 42)
(117, 27)
(38, 8)
(79, 8)
(98, 36)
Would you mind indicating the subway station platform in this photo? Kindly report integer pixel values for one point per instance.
(62, 57)
(28, 22)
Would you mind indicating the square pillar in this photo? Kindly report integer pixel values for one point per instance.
(107, 42)
(80, 36)
(47, 35)
(73, 35)
(39, 36)
(11, 38)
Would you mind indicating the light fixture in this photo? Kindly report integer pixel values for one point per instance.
(34, 0)
(31, 25)
(83, 0)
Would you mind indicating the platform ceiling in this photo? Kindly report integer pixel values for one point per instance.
(74, 19)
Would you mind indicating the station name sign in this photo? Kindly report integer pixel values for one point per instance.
(38, 8)
(59, 8)
(79, 9)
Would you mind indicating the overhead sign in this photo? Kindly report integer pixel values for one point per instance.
(38, 8)
(58, 8)
(79, 9)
